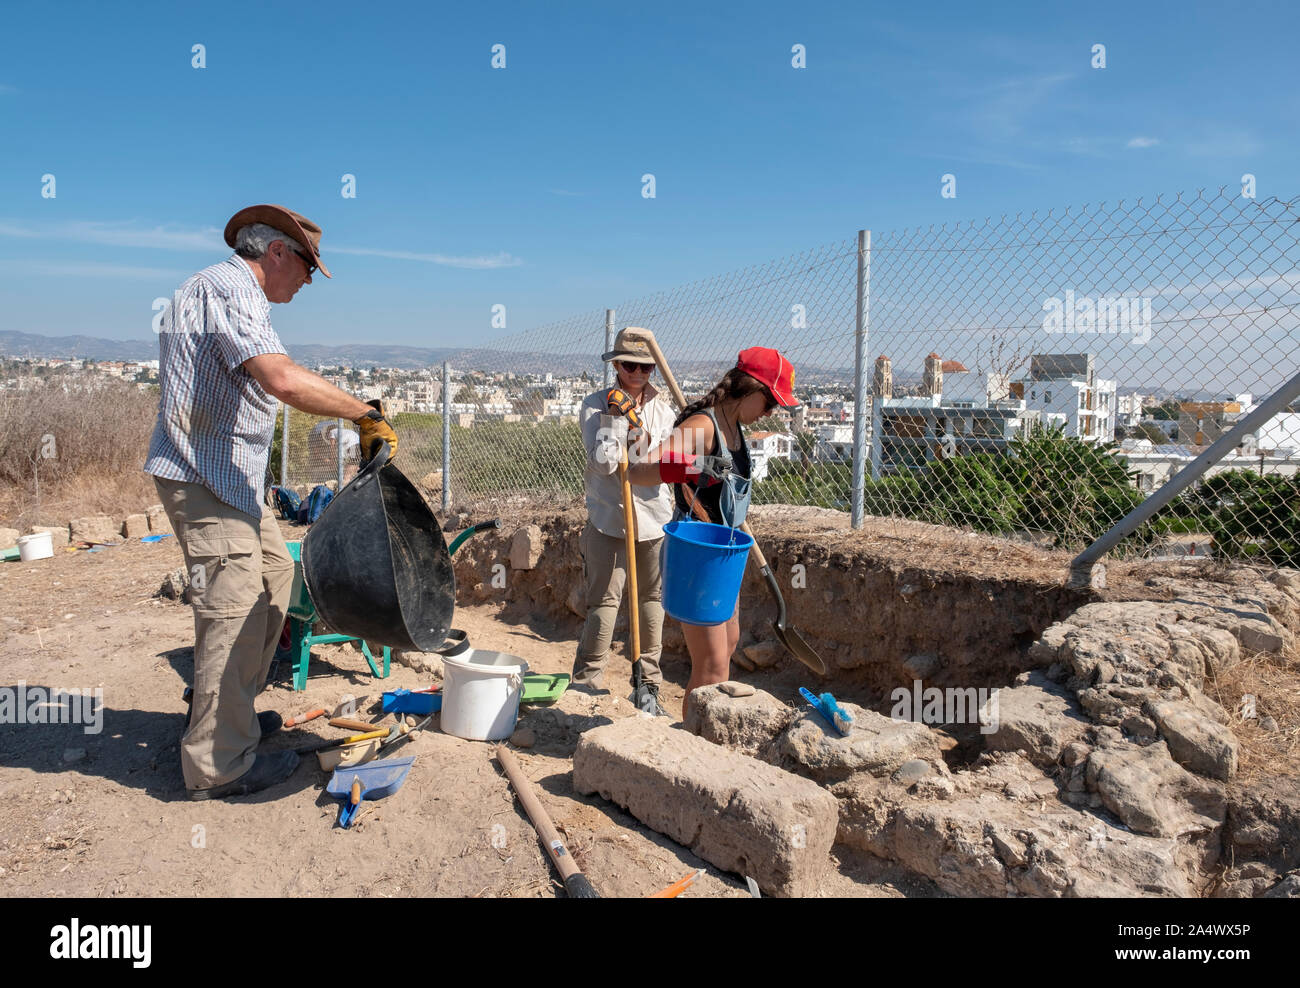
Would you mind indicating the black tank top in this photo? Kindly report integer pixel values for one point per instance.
(711, 496)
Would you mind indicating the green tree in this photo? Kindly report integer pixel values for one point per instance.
(1168, 410)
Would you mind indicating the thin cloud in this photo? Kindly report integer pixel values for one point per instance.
(6, 90)
(93, 269)
(119, 235)
(501, 260)
(1143, 142)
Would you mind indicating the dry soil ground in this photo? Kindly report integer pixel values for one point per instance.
(106, 815)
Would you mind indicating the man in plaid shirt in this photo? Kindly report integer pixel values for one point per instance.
(223, 371)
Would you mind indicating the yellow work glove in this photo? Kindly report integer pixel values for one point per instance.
(374, 430)
(619, 402)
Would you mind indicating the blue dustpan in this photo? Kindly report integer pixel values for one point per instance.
(377, 779)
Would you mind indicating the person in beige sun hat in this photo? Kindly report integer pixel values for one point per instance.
(605, 421)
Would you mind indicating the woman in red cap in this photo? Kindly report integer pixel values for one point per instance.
(707, 444)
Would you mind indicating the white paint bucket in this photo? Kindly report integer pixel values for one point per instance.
(480, 694)
(37, 546)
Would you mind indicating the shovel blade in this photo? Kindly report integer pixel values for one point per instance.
(800, 649)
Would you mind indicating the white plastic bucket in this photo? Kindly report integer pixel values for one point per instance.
(37, 546)
(480, 694)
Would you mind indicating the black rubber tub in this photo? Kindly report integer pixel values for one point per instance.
(376, 564)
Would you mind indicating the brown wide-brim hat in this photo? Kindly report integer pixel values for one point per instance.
(287, 222)
(632, 349)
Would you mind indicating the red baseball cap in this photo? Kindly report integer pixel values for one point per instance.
(768, 366)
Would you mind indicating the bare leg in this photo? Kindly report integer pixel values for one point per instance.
(711, 648)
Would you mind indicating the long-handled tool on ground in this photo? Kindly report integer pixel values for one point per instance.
(575, 882)
(340, 742)
(788, 635)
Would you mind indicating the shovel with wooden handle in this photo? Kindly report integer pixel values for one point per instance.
(787, 634)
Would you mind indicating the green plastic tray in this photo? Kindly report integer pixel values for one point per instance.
(544, 687)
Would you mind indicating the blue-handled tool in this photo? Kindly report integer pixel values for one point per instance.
(831, 712)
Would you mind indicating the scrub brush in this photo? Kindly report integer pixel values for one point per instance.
(834, 714)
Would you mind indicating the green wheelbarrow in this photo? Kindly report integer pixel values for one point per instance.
(302, 616)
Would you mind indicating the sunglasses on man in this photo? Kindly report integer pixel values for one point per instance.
(311, 265)
(632, 367)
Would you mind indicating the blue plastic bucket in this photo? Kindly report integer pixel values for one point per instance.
(703, 570)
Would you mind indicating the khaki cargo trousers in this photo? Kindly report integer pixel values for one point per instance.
(241, 575)
(604, 564)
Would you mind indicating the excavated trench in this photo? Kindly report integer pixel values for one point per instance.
(1105, 747)
(882, 614)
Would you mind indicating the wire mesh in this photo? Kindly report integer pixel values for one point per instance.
(1033, 376)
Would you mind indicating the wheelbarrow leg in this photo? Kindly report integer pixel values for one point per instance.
(300, 649)
(370, 658)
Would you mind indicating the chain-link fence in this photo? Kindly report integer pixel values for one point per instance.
(1035, 376)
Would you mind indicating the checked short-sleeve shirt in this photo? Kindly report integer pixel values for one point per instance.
(214, 420)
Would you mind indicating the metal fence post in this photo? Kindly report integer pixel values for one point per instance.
(860, 373)
(446, 437)
(284, 449)
(609, 345)
(338, 452)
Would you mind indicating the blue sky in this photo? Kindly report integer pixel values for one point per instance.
(522, 186)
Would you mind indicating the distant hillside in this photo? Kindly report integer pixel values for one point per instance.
(22, 345)
(14, 344)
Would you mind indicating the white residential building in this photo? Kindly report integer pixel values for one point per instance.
(765, 447)
(1064, 390)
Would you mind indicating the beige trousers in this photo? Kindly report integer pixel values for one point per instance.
(240, 574)
(604, 563)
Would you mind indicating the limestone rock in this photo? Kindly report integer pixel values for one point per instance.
(763, 654)
(58, 533)
(911, 772)
(749, 724)
(1196, 742)
(1288, 888)
(159, 523)
(877, 745)
(526, 547)
(95, 528)
(1151, 793)
(576, 601)
(176, 586)
(1037, 717)
(1263, 823)
(922, 666)
(8, 538)
(735, 812)
(135, 526)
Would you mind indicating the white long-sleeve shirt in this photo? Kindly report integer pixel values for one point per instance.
(604, 435)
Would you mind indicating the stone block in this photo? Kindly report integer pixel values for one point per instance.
(8, 538)
(876, 744)
(735, 812)
(95, 528)
(158, 520)
(749, 724)
(135, 526)
(58, 533)
(526, 547)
